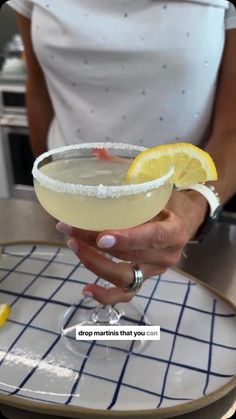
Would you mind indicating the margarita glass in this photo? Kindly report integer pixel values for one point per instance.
(92, 193)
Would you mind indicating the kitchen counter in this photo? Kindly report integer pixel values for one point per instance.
(25, 220)
(214, 261)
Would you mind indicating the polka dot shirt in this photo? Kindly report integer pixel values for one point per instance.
(143, 72)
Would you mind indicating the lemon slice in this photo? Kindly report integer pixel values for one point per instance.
(191, 164)
(5, 311)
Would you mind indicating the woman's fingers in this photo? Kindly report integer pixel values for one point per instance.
(155, 235)
(169, 233)
(111, 295)
(155, 246)
(119, 274)
(78, 233)
(162, 258)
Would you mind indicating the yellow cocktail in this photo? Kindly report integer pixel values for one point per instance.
(92, 193)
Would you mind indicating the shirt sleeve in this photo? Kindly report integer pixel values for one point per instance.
(230, 17)
(23, 7)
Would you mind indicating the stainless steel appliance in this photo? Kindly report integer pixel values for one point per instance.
(16, 158)
(12, 98)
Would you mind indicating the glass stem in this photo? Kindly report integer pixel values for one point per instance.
(106, 314)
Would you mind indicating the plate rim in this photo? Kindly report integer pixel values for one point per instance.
(73, 411)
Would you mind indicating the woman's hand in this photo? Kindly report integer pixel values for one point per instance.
(154, 246)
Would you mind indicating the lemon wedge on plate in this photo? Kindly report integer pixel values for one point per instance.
(191, 164)
(5, 311)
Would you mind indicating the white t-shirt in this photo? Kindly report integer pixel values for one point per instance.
(139, 71)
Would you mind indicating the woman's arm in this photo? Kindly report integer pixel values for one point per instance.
(39, 107)
(192, 207)
(222, 142)
(158, 244)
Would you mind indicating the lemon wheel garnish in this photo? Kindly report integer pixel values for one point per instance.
(191, 164)
(5, 311)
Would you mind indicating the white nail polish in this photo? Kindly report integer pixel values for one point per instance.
(106, 242)
(64, 228)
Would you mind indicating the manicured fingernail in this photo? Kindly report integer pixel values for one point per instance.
(106, 242)
(73, 245)
(87, 294)
(64, 228)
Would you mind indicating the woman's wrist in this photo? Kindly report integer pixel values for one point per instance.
(197, 211)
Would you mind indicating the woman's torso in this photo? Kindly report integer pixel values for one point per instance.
(139, 71)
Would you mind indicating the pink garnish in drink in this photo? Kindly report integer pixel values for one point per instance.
(104, 154)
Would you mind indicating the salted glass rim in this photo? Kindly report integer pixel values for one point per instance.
(98, 191)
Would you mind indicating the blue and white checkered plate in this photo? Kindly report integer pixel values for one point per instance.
(193, 364)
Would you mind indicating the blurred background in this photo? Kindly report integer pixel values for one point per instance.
(16, 158)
